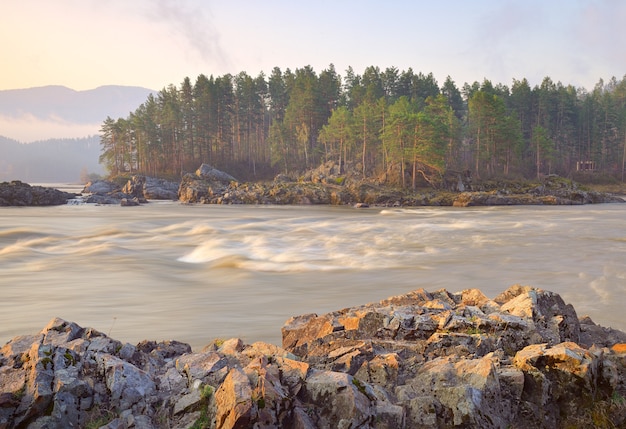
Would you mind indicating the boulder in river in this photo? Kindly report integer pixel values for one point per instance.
(16, 193)
(105, 192)
(151, 188)
(100, 187)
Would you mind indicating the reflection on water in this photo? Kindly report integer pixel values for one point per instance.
(194, 273)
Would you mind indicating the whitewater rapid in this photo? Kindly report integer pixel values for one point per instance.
(194, 273)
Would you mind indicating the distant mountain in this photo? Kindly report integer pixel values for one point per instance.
(60, 126)
(70, 106)
(55, 160)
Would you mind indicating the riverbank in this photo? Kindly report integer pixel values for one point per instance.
(211, 186)
(552, 190)
(618, 189)
(423, 359)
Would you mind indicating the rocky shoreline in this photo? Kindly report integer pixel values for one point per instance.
(319, 187)
(523, 359)
(211, 186)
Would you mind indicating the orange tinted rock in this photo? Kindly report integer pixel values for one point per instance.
(304, 329)
(233, 401)
(619, 348)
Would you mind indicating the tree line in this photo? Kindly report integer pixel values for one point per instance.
(399, 125)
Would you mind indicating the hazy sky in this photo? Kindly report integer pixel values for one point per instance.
(84, 44)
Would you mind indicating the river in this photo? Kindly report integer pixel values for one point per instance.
(193, 273)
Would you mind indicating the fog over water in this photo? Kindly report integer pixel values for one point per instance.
(194, 273)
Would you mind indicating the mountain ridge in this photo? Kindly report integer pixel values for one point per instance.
(70, 105)
(49, 161)
(50, 133)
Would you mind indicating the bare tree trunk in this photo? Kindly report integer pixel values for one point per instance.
(478, 152)
(414, 179)
(624, 157)
(538, 162)
(364, 144)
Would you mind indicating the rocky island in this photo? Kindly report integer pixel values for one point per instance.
(523, 359)
(17, 193)
(323, 185)
(208, 185)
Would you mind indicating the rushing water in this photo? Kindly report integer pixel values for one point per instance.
(194, 273)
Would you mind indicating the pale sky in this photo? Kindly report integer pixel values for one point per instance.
(83, 44)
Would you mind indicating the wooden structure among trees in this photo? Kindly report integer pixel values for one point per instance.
(585, 166)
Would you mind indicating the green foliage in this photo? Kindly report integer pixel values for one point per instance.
(338, 135)
(206, 392)
(544, 149)
(379, 120)
(473, 330)
(604, 414)
(360, 386)
(18, 395)
(99, 417)
(45, 362)
(69, 358)
(203, 422)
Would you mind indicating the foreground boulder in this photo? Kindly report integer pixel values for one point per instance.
(522, 359)
(428, 360)
(17, 193)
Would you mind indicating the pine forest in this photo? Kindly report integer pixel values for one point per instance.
(399, 125)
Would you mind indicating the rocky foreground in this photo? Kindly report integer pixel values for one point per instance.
(429, 360)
